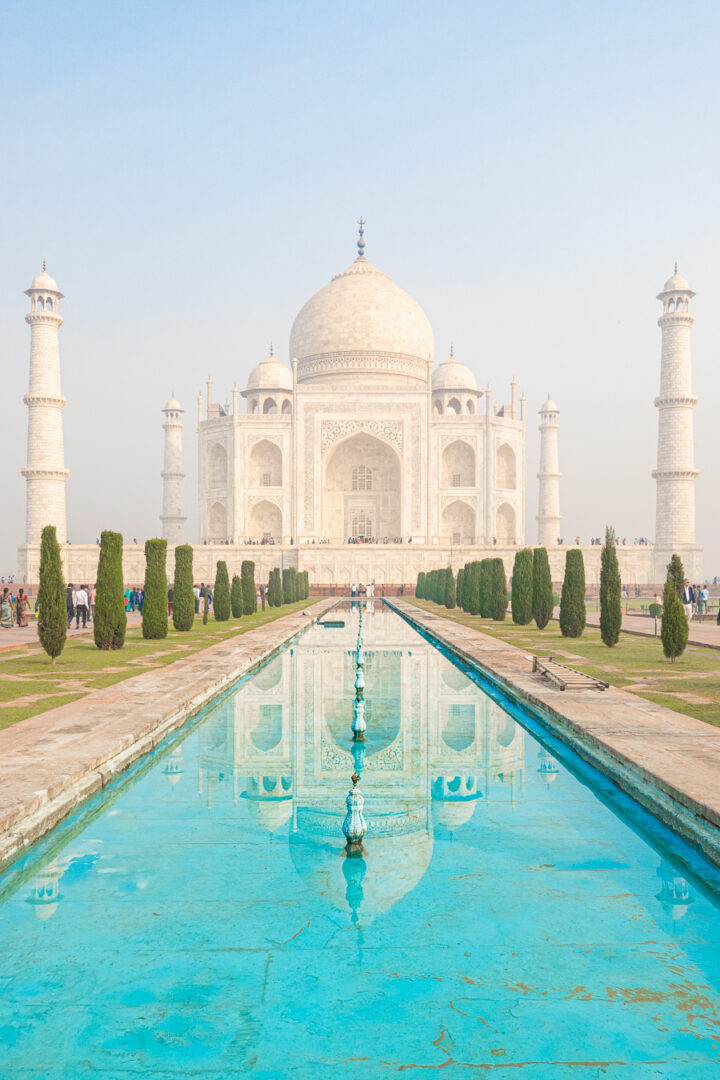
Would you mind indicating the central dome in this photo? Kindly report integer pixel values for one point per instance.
(362, 322)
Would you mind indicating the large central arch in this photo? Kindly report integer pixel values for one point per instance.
(363, 484)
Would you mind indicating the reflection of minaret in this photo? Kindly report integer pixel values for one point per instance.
(675, 473)
(548, 517)
(173, 519)
(45, 472)
(675, 892)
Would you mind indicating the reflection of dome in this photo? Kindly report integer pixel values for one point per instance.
(395, 862)
(451, 815)
(272, 814)
(270, 374)
(362, 320)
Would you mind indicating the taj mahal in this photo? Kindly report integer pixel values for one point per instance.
(363, 459)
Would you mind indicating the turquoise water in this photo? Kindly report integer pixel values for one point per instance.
(510, 916)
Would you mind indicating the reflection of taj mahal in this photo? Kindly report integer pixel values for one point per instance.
(364, 437)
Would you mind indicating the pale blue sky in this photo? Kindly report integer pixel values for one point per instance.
(193, 172)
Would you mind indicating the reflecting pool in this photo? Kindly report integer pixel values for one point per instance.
(511, 914)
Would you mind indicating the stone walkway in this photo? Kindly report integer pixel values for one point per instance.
(701, 633)
(51, 762)
(16, 637)
(668, 762)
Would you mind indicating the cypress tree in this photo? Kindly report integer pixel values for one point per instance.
(221, 595)
(110, 619)
(676, 572)
(297, 583)
(183, 596)
(155, 604)
(485, 605)
(459, 587)
(522, 587)
(247, 576)
(450, 594)
(206, 604)
(572, 600)
(288, 585)
(470, 586)
(277, 587)
(542, 602)
(674, 630)
(236, 597)
(52, 608)
(420, 584)
(610, 591)
(498, 591)
(306, 583)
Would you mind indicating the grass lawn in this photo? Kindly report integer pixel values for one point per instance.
(30, 684)
(691, 685)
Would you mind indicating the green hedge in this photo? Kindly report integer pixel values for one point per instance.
(183, 596)
(498, 591)
(236, 597)
(155, 602)
(542, 588)
(52, 605)
(221, 593)
(572, 600)
(110, 619)
(247, 576)
(610, 591)
(522, 587)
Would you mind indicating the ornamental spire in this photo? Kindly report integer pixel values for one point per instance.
(361, 237)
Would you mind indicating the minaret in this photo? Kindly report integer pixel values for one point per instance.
(548, 517)
(172, 517)
(675, 473)
(45, 472)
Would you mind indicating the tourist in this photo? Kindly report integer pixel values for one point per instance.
(127, 594)
(93, 598)
(69, 603)
(688, 600)
(80, 600)
(21, 609)
(352, 590)
(170, 599)
(6, 610)
(196, 594)
(704, 598)
(142, 598)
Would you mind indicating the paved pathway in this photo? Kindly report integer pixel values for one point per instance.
(51, 762)
(701, 633)
(16, 637)
(667, 761)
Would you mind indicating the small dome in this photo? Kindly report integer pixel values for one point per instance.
(452, 375)
(270, 374)
(676, 283)
(549, 406)
(43, 283)
(173, 405)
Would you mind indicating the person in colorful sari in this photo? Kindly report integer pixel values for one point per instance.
(6, 611)
(128, 596)
(22, 606)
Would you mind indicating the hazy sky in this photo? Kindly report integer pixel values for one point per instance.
(193, 173)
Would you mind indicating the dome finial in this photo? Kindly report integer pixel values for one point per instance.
(361, 237)
(676, 269)
(452, 351)
(44, 267)
(271, 349)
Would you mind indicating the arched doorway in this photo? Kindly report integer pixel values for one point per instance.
(458, 465)
(362, 496)
(266, 522)
(506, 475)
(458, 523)
(265, 465)
(505, 524)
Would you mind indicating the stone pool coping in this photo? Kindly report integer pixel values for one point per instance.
(667, 761)
(52, 762)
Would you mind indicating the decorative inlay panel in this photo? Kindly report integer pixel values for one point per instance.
(389, 430)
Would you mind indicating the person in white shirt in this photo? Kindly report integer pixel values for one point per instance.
(704, 597)
(688, 599)
(196, 594)
(80, 603)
